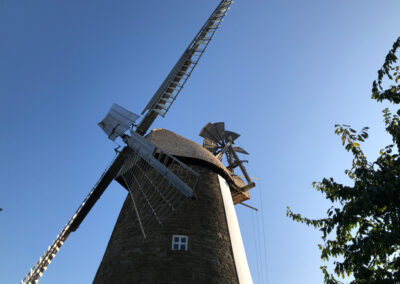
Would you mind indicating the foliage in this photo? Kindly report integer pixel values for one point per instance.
(362, 229)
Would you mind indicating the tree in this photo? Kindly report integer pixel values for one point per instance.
(362, 228)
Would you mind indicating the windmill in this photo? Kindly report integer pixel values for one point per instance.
(171, 181)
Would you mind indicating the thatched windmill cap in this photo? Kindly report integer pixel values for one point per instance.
(192, 152)
(179, 146)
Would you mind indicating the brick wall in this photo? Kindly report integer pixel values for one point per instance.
(131, 259)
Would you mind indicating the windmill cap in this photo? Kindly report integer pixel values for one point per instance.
(181, 147)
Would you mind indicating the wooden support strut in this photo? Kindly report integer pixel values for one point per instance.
(250, 184)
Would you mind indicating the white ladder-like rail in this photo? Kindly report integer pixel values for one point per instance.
(165, 96)
(108, 175)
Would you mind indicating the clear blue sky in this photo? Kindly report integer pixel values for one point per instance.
(281, 73)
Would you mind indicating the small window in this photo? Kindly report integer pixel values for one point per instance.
(179, 242)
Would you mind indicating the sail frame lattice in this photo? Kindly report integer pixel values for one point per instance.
(157, 182)
(167, 93)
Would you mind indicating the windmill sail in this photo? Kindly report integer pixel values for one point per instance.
(87, 204)
(117, 121)
(158, 182)
(176, 79)
(164, 163)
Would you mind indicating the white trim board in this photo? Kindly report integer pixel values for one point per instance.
(239, 254)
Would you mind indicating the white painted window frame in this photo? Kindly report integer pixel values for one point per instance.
(180, 242)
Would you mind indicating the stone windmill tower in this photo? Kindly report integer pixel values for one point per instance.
(178, 223)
